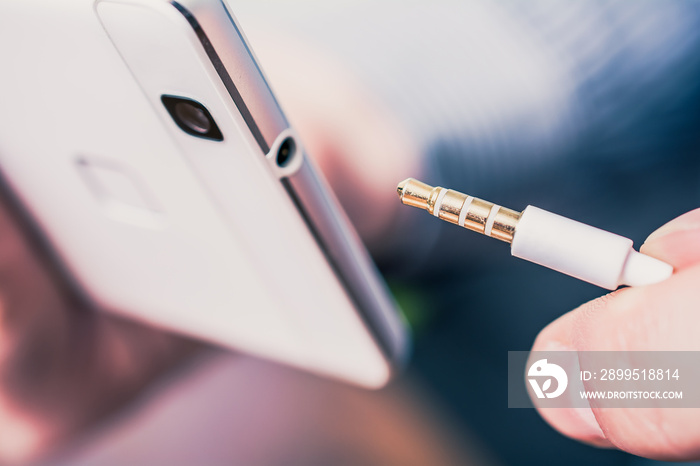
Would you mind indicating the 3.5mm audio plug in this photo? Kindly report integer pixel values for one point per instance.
(567, 246)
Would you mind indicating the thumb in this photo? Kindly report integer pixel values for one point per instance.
(677, 242)
(659, 317)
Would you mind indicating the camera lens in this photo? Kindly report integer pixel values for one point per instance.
(285, 152)
(192, 117)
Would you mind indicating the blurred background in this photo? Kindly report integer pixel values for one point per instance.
(589, 109)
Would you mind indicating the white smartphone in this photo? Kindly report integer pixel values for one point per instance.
(143, 142)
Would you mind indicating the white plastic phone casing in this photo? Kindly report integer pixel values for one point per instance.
(193, 235)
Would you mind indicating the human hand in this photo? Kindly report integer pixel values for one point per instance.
(660, 317)
(63, 366)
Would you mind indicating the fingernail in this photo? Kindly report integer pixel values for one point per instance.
(688, 221)
(579, 423)
(588, 428)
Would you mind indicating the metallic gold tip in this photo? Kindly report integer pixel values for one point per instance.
(414, 193)
(463, 210)
(401, 186)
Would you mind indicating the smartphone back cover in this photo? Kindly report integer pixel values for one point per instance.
(192, 235)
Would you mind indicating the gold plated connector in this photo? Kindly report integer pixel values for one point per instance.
(469, 212)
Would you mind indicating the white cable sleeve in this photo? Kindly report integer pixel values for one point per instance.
(582, 251)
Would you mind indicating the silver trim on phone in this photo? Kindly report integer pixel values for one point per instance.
(316, 204)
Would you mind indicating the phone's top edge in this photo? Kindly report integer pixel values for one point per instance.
(353, 269)
(215, 27)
